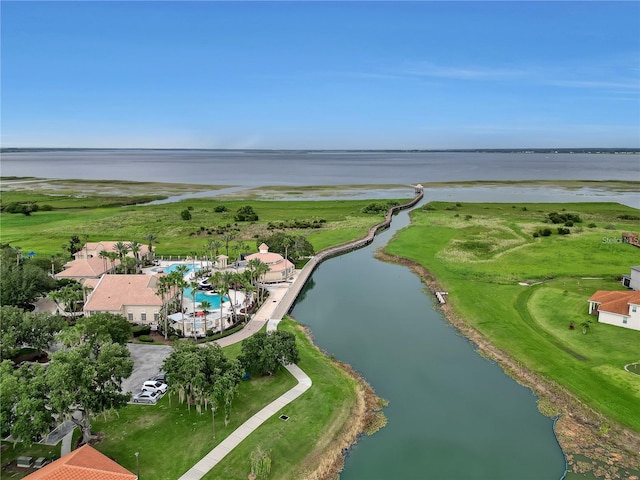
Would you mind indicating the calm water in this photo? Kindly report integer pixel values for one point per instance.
(452, 414)
(251, 168)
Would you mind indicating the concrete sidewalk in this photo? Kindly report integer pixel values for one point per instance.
(263, 316)
(210, 460)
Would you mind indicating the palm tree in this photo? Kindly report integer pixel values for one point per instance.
(150, 238)
(215, 249)
(180, 283)
(205, 305)
(104, 255)
(112, 256)
(586, 326)
(287, 242)
(122, 250)
(134, 247)
(193, 285)
(227, 237)
(165, 284)
(229, 279)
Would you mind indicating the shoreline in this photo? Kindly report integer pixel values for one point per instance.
(580, 431)
(365, 418)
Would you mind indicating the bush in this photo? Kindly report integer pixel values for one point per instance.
(185, 214)
(145, 338)
(592, 225)
(246, 214)
(221, 209)
(568, 224)
(139, 330)
(563, 231)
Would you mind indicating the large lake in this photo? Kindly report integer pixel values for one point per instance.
(253, 168)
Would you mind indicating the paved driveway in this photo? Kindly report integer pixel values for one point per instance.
(147, 361)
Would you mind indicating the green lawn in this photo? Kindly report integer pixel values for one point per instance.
(46, 231)
(314, 420)
(171, 439)
(480, 261)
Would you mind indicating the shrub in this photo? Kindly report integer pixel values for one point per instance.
(592, 225)
(220, 209)
(610, 227)
(563, 231)
(568, 224)
(145, 338)
(628, 217)
(468, 217)
(246, 214)
(139, 330)
(185, 214)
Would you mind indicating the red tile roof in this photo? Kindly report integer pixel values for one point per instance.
(615, 301)
(114, 291)
(85, 463)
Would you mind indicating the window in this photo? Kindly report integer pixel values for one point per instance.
(143, 317)
(130, 316)
(156, 317)
(624, 320)
(633, 309)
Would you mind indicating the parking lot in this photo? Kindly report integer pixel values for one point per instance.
(147, 361)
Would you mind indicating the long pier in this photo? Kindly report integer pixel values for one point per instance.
(296, 287)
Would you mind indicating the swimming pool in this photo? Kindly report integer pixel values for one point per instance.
(174, 266)
(212, 298)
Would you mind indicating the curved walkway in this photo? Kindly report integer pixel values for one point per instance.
(281, 299)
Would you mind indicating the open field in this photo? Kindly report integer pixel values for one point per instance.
(515, 296)
(46, 231)
(480, 253)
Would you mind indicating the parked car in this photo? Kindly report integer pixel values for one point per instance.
(147, 396)
(154, 386)
(159, 377)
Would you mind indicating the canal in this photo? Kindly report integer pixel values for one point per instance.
(452, 414)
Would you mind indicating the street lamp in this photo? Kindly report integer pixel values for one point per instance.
(213, 420)
(137, 454)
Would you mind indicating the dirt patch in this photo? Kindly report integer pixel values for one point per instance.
(581, 431)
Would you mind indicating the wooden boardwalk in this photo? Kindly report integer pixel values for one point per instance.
(296, 287)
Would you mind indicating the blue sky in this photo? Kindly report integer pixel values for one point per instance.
(324, 75)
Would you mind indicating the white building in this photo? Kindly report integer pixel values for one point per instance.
(632, 280)
(618, 308)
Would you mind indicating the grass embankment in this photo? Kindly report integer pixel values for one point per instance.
(96, 217)
(323, 421)
(480, 253)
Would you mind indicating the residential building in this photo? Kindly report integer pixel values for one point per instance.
(82, 269)
(93, 249)
(617, 308)
(135, 297)
(84, 463)
(632, 280)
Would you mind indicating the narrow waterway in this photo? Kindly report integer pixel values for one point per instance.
(452, 414)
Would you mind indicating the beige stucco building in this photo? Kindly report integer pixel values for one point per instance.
(280, 269)
(133, 296)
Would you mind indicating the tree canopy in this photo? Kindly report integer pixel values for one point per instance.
(202, 375)
(22, 281)
(26, 329)
(265, 353)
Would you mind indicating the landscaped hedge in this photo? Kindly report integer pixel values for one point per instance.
(145, 338)
(139, 330)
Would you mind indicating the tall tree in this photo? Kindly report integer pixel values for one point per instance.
(83, 381)
(265, 353)
(151, 239)
(70, 298)
(134, 248)
(122, 250)
(22, 281)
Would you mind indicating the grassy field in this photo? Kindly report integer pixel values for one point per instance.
(315, 420)
(45, 232)
(171, 439)
(480, 253)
